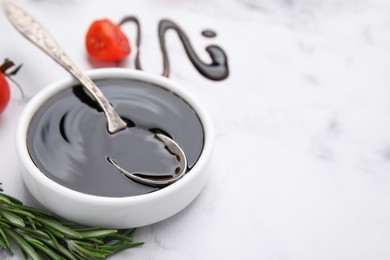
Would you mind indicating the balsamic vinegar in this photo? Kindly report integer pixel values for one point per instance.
(69, 142)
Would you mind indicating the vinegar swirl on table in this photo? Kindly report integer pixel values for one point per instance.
(217, 69)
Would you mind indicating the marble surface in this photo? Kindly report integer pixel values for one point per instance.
(302, 152)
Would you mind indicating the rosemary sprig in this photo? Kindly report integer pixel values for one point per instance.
(39, 234)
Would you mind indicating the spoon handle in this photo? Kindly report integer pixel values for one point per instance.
(34, 32)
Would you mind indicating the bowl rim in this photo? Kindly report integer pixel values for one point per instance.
(44, 94)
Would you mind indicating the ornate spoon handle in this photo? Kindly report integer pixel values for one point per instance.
(34, 32)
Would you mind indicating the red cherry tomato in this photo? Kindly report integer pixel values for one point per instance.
(4, 93)
(105, 41)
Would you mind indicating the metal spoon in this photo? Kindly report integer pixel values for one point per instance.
(34, 32)
(174, 148)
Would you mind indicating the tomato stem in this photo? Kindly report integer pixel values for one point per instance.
(7, 64)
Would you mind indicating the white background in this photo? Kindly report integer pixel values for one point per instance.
(302, 153)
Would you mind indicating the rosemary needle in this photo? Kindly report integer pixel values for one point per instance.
(39, 234)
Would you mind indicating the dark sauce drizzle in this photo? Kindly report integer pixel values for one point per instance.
(133, 19)
(217, 69)
(209, 34)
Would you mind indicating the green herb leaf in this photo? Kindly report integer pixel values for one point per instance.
(3, 245)
(123, 246)
(50, 253)
(61, 249)
(4, 199)
(33, 210)
(4, 242)
(57, 226)
(18, 211)
(24, 246)
(4, 237)
(37, 233)
(84, 252)
(13, 219)
(97, 233)
(12, 199)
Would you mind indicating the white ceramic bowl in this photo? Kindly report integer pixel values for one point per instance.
(112, 212)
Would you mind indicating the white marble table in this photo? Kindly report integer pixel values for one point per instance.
(302, 149)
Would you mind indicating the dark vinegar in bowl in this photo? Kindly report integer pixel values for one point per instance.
(69, 142)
